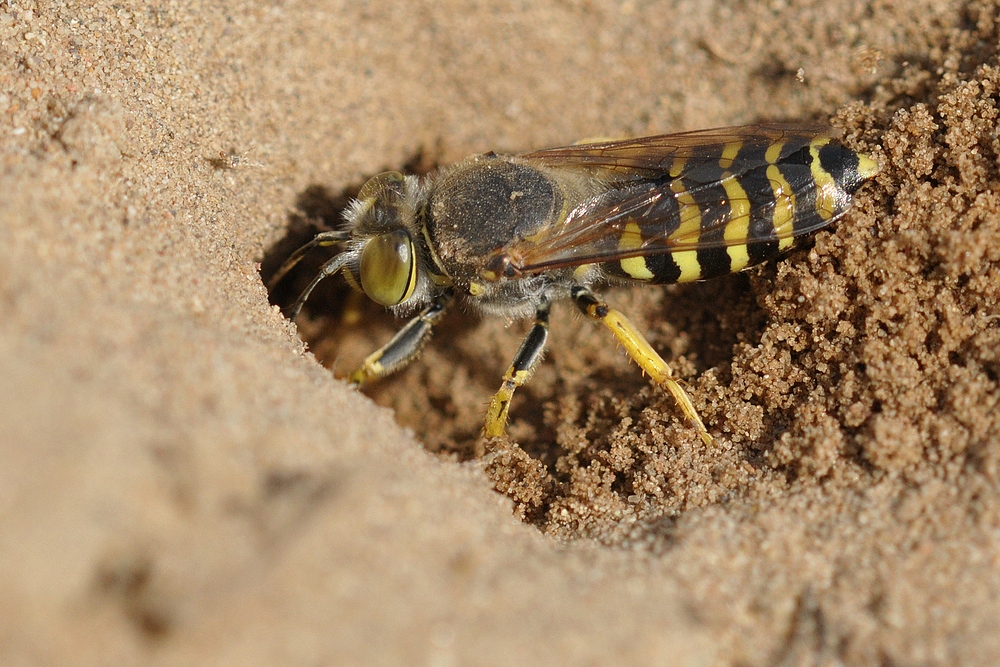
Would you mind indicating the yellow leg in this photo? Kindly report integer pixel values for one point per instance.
(517, 374)
(641, 352)
(496, 417)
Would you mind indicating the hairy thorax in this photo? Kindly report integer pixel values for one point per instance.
(486, 202)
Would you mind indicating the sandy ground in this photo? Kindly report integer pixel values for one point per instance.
(181, 482)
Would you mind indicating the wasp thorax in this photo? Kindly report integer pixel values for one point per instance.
(389, 268)
(498, 266)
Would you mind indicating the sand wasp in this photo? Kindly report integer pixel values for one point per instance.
(509, 235)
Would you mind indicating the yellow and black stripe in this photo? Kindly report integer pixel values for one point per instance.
(740, 206)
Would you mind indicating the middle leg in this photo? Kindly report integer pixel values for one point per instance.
(525, 361)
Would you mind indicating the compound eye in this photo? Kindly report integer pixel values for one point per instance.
(387, 180)
(389, 268)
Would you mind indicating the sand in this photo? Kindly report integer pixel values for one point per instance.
(183, 482)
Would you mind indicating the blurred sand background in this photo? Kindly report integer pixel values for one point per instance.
(181, 482)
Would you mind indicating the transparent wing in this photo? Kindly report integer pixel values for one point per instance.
(657, 155)
(642, 173)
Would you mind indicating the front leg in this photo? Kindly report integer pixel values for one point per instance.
(527, 357)
(404, 346)
(640, 351)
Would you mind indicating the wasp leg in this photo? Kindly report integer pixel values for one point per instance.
(404, 346)
(527, 357)
(640, 350)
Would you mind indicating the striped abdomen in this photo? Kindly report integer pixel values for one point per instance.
(739, 208)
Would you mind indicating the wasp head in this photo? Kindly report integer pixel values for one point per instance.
(383, 225)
